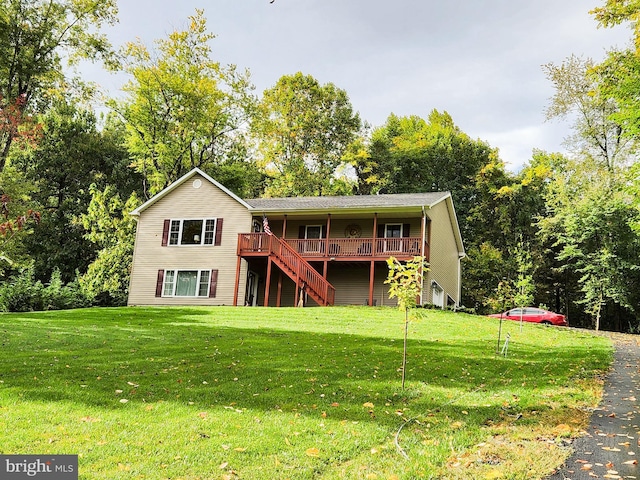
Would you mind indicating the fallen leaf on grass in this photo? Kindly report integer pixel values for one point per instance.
(312, 452)
(89, 419)
(223, 465)
(368, 405)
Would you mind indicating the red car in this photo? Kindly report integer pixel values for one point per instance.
(535, 315)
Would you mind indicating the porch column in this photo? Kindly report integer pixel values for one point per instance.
(327, 234)
(267, 283)
(284, 227)
(237, 286)
(375, 232)
(325, 265)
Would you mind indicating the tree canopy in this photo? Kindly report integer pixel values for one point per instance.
(303, 132)
(183, 109)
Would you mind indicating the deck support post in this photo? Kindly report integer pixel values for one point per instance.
(237, 285)
(371, 278)
(279, 294)
(267, 283)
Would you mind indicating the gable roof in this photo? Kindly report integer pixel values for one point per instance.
(180, 181)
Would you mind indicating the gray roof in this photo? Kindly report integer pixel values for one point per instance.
(401, 200)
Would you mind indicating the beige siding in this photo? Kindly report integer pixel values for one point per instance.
(338, 226)
(443, 255)
(187, 202)
(352, 284)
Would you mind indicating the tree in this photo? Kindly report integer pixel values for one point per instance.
(34, 37)
(112, 229)
(410, 155)
(590, 220)
(524, 285)
(71, 155)
(405, 284)
(615, 12)
(10, 226)
(303, 132)
(183, 110)
(579, 92)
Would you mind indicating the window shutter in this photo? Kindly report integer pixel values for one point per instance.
(213, 283)
(323, 231)
(165, 232)
(218, 240)
(159, 283)
(405, 230)
(301, 231)
(380, 231)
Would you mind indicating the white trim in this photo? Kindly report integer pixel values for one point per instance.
(176, 271)
(202, 232)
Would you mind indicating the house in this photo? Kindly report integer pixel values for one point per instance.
(197, 243)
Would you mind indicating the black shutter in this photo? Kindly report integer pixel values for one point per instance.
(159, 282)
(380, 231)
(218, 240)
(406, 228)
(301, 231)
(165, 232)
(213, 283)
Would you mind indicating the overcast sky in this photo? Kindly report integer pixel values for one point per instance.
(478, 60)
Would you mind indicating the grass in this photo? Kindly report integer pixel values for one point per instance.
(255, 393)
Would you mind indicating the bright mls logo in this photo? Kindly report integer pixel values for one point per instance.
(49, 467)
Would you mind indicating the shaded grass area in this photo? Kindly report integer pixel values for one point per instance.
(201, 393)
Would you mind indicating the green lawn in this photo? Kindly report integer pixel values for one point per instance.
(256, 393)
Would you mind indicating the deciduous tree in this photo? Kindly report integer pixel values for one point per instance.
(183, 109)
(303, 132)
(34, 37)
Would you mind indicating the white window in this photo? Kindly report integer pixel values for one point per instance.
(393, 237)
(393, 230)
(186, 283)
(313, 234)
(192, 232)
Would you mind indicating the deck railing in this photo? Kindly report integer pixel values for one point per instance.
(357, 247)
(290, 259)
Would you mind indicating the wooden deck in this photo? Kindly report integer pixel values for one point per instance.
(338, 249)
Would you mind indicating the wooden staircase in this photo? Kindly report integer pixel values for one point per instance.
(293, 265)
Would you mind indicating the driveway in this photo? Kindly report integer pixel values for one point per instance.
(611, 448)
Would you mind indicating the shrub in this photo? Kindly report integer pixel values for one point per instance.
(25, 294)
(57, 296)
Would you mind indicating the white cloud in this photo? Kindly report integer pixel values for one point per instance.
(480, 61)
